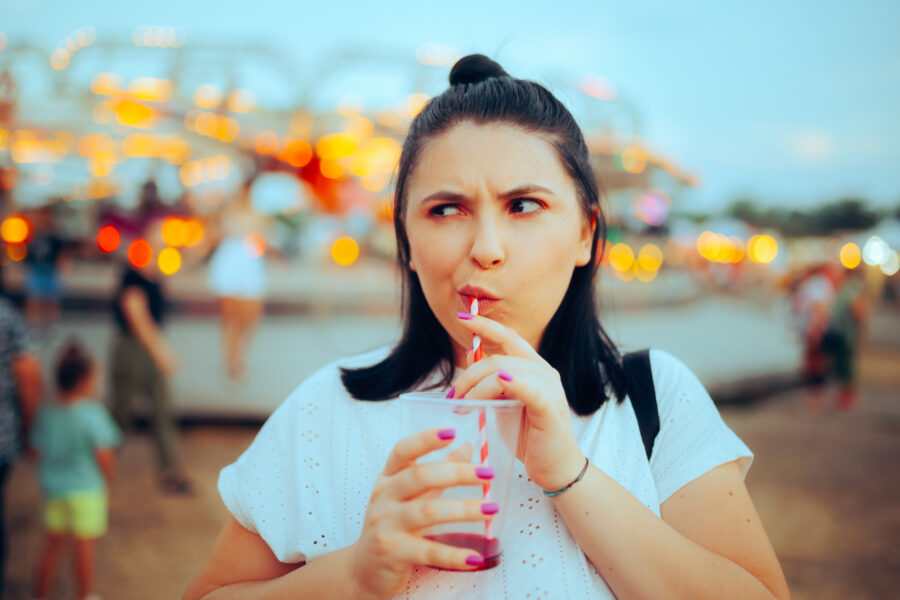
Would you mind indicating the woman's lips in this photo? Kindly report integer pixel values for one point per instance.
(483, 303)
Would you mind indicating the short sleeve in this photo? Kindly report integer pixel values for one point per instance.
(693, 438)
(267, 452)
(101, 429)
(261, 488)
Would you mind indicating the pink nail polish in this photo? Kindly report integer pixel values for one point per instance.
(490, 508)
(475, 560)
(451, 392)
(464, 316)
(504, 375)
(484, 472)
(447, 434)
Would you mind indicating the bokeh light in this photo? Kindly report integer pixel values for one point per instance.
(850, 255)
(762, 249)
(650, 258)
(345, 251)
(621, 257)
(891, 264)
(331, 169)
(297, 153)
(634, 160)
(140, 254)
(169, 261)
(108, 239)
(875, 251)
(16, 252)
(337, 145)
(15, 230)
(194, 232)
(175, 232)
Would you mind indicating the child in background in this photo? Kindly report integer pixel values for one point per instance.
(74, 437)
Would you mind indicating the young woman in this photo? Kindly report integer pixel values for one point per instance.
(495, 199)
(237, 276)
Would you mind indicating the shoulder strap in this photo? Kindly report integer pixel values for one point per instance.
(642, 395)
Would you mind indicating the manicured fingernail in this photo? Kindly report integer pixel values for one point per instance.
(504, 375)
(451, 392)
(469, 349)
(447, 434)
(464, 316)
(484, 472)
(490, 508)
(475, 560)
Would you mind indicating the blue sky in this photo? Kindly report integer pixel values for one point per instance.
(792, 103)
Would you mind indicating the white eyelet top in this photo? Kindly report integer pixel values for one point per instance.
(304, 482)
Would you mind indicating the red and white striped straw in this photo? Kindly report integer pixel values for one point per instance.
(482, 421)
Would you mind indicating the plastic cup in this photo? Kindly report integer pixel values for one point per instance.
(425, 410)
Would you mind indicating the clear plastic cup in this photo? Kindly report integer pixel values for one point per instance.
(503, 422)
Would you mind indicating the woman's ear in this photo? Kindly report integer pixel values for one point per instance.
(585, 242)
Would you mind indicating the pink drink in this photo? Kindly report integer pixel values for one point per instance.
(489, 548)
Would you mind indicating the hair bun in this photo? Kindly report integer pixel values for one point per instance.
(474, 68)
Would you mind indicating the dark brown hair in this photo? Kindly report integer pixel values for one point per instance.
(574, 342)
(73, 366)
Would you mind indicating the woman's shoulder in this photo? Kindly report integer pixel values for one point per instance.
(669, 371)
(676, 384)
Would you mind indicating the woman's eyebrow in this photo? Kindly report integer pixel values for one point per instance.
(517, 192)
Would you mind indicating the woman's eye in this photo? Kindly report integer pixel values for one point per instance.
(445, 210)
(525, 205)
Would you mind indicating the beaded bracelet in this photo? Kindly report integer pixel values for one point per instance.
(577, 479)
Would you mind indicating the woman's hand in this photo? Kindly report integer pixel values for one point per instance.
(513, 369)
(404, 502)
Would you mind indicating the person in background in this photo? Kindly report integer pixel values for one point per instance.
(237, 277)
(141, 363)
(74, 437)
(43, 288)
(812, 305)
(20, 393)
(846, 324)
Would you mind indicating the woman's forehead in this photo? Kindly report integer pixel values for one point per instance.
(498, 156)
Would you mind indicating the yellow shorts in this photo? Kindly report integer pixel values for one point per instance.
(83, 514)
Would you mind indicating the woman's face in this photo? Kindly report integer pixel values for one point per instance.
(491, 207)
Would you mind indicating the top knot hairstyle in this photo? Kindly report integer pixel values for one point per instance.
(475, 68)
(574, 342)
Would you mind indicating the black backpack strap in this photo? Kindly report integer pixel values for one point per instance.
(642, 395)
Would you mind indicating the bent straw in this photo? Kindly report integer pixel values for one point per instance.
(482, 421)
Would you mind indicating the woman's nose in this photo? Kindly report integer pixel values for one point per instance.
(487, 247)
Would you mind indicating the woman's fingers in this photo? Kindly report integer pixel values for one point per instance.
(419, 479)
(410, 448)
(499, 337)
(487, 369)
(487, 388)
(419, 514)
(417, 550)
(463, 454)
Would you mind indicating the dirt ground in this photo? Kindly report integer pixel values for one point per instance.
(823, 487)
